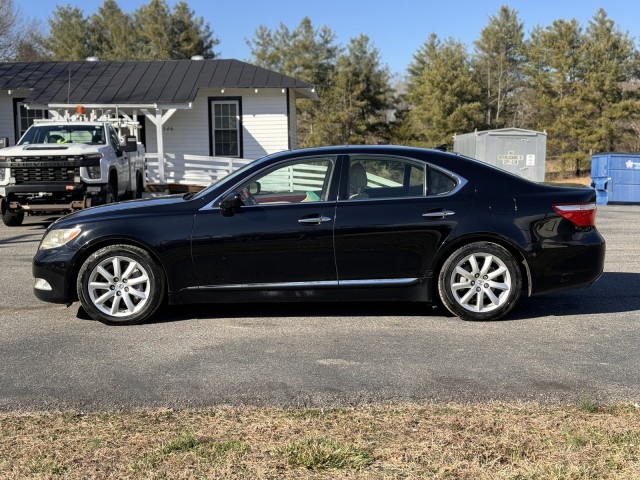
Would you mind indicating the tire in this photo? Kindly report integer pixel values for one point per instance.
(13, 218)
(120, 285)
(480, 281)
(112, 194)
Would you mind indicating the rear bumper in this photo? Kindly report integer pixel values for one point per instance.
(567, 265)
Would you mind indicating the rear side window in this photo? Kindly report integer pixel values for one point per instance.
(439, 183)
(384, 177)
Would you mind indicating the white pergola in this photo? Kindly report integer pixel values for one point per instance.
(156, 113)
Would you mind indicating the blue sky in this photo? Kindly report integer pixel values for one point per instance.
(397, 28)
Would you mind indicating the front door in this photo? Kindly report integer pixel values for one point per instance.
(281, 237)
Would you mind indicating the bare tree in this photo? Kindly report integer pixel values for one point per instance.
(8, 35)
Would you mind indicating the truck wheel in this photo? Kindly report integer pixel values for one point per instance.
(13, 218)
(120, 285)
(137, 193)
(111, 196)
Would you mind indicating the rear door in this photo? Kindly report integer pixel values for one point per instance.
(390, 223)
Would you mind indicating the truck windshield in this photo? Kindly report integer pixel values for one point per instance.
(59, 134)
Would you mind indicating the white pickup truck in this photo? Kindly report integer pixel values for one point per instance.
(61, 166)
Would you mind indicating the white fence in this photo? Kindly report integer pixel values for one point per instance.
(192, 169)
(203, 170)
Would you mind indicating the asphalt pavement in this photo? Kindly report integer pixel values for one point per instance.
(566, 347)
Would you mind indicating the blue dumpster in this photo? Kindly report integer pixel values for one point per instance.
(616, 177)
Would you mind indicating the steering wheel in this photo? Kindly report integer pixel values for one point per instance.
(247, 198)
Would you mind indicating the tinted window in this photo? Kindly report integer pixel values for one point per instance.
(439, 182)
(381, 177)
(300, 181)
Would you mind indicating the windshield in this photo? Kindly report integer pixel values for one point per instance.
(58, 134)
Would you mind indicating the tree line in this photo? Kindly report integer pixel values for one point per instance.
(580, 84)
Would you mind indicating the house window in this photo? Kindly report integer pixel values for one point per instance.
(25, 118)
(226, 128)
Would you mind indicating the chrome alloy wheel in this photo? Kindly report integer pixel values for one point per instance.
(119, 286)
(480, 282)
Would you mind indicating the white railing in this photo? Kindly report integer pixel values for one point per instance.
(203, 170)
(187, 169)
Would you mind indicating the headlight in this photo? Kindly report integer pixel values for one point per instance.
(57, 238)
(94, 172)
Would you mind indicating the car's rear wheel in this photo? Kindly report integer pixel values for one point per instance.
(480, 281)
(120, 285)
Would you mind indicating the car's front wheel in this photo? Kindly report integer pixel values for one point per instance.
(120, 285)
(480, 281)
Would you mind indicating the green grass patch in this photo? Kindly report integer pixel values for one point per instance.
(324, 453)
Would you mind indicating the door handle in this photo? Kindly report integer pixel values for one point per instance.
(439, 213)
(314, 220)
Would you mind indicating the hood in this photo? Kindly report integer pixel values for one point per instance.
(145, 206)
(50, 149)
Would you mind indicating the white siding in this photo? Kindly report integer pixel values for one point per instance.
(187, 136)
(7, 119)
(264, 121)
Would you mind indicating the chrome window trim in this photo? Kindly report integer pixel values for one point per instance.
(213, 205)
(460, 181)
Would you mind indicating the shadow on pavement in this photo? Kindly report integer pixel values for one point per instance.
(614, 292)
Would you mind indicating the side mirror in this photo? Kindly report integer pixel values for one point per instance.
(254, 188)
(130, 144)
(231, 204)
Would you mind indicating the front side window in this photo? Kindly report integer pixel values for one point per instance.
(113, 138)
(294, 182)
(380, 177)
(226, 128)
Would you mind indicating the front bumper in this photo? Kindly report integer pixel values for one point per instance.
(54, 267)
(52, 196)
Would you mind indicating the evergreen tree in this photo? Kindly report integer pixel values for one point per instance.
(356, 104)
(446, 97)
(153, 23)
(499, 55)
(555, 71)
(190, 35)
(153, 32)
(608, 56)
(306, 54)
(422, 60)
(112, 36)
(68, 39)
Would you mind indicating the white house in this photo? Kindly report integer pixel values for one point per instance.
(199, 119)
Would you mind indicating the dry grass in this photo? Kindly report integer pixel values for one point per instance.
(482, 441)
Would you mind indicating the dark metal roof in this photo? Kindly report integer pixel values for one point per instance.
(170, 82)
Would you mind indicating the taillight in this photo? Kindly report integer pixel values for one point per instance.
(582, 214)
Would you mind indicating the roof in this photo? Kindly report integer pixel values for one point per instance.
(122, 83)
(504, 131)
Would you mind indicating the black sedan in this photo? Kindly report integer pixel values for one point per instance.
(353, 223)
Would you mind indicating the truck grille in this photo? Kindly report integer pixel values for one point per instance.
(26, 171)
(44, 174)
